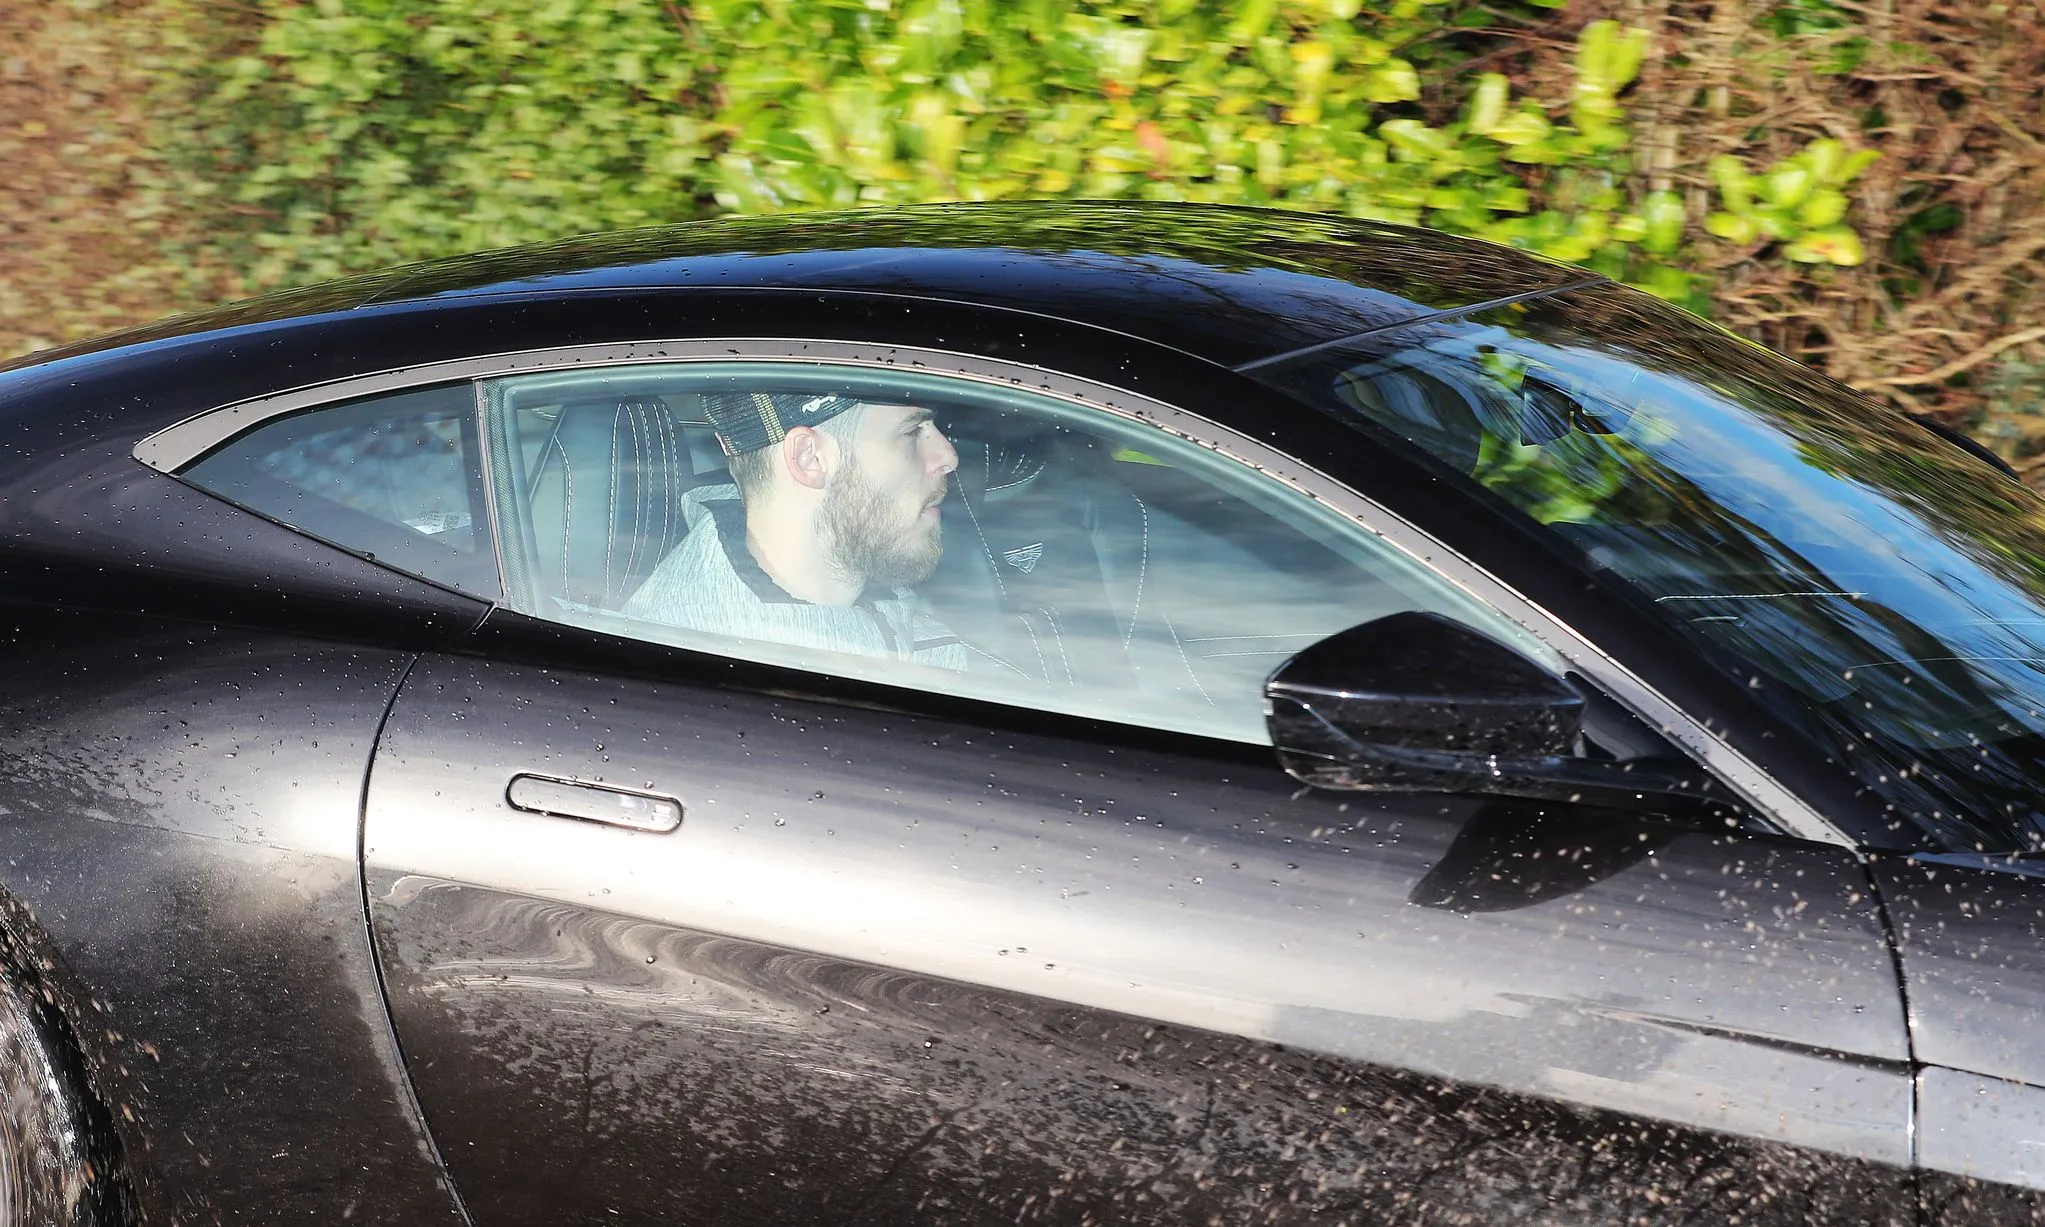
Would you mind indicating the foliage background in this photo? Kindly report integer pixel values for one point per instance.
(1862, 185)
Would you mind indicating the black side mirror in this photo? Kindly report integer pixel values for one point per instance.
(1417, 702)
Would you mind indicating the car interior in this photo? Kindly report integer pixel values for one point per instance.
(1072, 562)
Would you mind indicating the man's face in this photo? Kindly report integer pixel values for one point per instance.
(881, 508)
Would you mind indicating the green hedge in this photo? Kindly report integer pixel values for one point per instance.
(353, 134)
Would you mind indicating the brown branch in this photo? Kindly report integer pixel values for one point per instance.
(1958, 365)
(2002, 121)
(1977, 278)
(1910, 403)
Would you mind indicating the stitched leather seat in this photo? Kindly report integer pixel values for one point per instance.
(1045, 566)
(606, 494)
(1019, 582)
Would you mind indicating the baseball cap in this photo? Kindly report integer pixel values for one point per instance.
(748, 421)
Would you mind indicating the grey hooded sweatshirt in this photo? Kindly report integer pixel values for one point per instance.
(711, 583)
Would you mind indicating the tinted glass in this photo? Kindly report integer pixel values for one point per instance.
(1880, 586)
(395, 478)
(1057, 556)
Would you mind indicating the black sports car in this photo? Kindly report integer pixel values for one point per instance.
(1353, 726)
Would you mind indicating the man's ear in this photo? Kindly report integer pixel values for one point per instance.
(809, 456)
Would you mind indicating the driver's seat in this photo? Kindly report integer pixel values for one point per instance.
(1046, 567)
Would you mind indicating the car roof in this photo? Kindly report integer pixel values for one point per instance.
(1227, 284)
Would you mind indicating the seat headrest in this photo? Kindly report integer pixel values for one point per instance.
(606, 498)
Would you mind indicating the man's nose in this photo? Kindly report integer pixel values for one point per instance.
(945, 455)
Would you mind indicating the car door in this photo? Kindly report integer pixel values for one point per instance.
(695, 927)
(1967, 935)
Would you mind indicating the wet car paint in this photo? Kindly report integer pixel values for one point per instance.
(186, 730)
(717, 1081)
(179, 835)
(902, 970)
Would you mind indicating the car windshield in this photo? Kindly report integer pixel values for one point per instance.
(1880, 586)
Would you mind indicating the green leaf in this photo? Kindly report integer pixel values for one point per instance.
(1487, 104)
(1735, 185)
(1251, 22)
(1855, 163)
(1787, 185)
(1392, 81)
(1824, 158)
(1609, 57)
(1732, 227)
(1523, 127)
(1825, 207)
(1415, 139)
(1833, 245)
(1663, 216)
(1507, 199)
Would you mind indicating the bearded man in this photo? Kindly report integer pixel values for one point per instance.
(833, 517)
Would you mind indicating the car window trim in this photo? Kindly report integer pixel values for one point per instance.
(183, 442)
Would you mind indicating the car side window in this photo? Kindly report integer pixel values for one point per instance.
(396, 478)
(929, 531)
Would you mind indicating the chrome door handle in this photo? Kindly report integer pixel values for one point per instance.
(618, 807)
